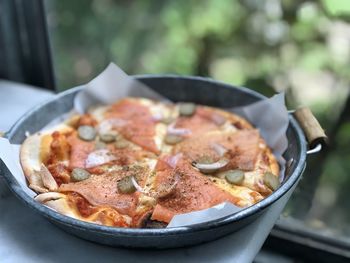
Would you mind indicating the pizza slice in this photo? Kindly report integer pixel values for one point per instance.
(139, 160)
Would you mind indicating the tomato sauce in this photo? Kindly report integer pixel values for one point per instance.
(60, 173)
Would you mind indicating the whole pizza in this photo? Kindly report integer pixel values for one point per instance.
(138, 163)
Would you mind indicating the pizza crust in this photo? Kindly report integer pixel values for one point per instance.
(102, 215)
(34, 149)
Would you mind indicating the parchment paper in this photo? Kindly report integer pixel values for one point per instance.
(9, 154)
(215, 212)
(112, 84)
(270, 116)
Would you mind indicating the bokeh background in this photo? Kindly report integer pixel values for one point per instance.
(299, 47)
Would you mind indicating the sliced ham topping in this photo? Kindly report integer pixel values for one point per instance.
(84, 155)
(172, 160)
(193, 192)
(197, 124)
(242, 148)
(101, 190)
(80, 151)
(211, 115)
(140, 124)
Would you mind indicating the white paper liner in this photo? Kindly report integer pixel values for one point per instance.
(9, 154)
(213, 213)
(112, 84)
(270, 116)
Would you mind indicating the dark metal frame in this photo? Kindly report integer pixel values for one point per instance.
(24, 44)
(305, 245)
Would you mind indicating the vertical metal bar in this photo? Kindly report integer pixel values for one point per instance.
(25, 43)
(9, 44)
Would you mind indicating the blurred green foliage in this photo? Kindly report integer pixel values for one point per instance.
(300, 47)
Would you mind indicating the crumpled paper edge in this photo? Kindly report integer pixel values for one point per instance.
(9, 154)
(102, 89)
(272, 124)
(201, 216)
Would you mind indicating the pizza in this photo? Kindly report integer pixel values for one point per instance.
(138, 163)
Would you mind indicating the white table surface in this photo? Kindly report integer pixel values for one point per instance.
(27, 237)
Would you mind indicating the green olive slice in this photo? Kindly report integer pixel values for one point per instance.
(107, 137)
(271, 181)
(125, 186)
(100, 145)
(79, 174)
(121, 144)
(205, 159)
(173, 139)
(187, 108)
(167, 120)
(234, 176)
(86, 132)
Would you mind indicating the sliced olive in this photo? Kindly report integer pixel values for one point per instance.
(79, 174)
(100, 145)
(125, 186)
(205, 159)
(167, 120)
(234, 176)
(187, 108)
(121, 144)
(172, 139)
(86, 132)
(271, 181)
(107, 137)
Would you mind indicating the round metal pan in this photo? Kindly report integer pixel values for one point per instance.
(194, 89)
